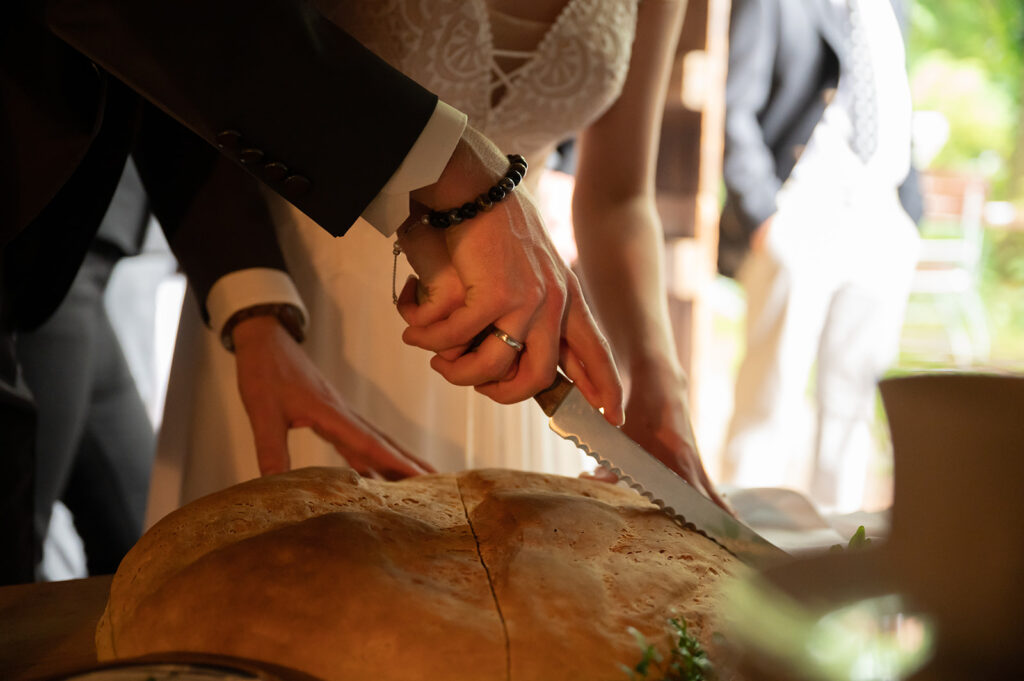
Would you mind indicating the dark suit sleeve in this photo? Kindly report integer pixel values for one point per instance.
(748, 165)
(320, 118)
(214, 216)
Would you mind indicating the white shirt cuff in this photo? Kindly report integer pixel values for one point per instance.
(422, 166)
(246, 288)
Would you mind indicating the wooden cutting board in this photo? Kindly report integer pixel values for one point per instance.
(47, 628)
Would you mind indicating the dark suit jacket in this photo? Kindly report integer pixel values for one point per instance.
(285, 96)
(784, 57)
(311, 113)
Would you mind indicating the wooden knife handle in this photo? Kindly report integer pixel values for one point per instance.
(551, 397)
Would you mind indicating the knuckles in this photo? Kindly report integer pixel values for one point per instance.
(544, 378)
(533, 296)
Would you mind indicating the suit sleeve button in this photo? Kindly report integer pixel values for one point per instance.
(229, 140)
(275, 171)
(251, 156)
(295, 187)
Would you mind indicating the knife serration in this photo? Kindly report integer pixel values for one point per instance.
(577, 421)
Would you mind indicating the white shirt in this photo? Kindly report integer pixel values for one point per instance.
(828, 152)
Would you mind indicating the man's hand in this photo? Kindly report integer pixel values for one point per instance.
(436, 291)
(513, 280)
(281, 389)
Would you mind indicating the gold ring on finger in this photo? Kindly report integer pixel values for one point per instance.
(516, 345)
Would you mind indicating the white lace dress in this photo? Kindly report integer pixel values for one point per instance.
(528, 85)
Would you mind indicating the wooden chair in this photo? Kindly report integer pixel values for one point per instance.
(945, 284)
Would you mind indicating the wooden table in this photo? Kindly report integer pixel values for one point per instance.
(48, 628)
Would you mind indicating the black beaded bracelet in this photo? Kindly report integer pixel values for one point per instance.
(483, 203)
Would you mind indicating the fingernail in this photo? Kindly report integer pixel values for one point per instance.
(615, 417)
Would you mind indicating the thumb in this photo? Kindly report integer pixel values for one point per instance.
(424, 302)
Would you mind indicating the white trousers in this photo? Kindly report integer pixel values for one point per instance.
(830, 287)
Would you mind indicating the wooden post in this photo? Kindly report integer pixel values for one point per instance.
(689, 175)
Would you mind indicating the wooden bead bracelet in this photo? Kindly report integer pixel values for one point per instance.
(443, 219)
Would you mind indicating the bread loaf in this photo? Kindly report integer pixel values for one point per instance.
(478, 576)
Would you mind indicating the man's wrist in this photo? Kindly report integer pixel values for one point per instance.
(249, 288)
(423, 166)
(481, 203)
(475, 165)
(288, 316)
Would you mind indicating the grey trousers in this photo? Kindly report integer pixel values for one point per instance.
(94, 442)
(17, 430)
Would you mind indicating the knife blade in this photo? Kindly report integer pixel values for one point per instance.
(574, 419)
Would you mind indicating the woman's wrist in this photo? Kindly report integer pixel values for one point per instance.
(656, 369)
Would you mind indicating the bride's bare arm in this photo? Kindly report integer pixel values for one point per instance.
(620, 242)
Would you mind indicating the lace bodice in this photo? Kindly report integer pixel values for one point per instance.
(451, 47)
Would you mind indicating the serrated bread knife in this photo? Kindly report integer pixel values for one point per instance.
(572, 417)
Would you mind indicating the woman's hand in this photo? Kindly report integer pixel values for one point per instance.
(282, 389)
(658, 419)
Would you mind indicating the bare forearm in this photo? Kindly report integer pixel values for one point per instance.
(621, 256)
(621, 261)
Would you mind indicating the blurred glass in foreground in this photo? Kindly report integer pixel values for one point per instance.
(875, 639)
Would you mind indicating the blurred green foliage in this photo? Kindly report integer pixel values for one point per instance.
(988, 30)
(982, 117)
(966, 60)
(1002, 289)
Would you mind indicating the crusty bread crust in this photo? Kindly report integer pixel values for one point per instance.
(481, 575)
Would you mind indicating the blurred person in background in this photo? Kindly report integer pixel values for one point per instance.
(94, 439)
(817, 145)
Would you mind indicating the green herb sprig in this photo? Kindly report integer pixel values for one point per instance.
(687, 660)
(859, 540)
